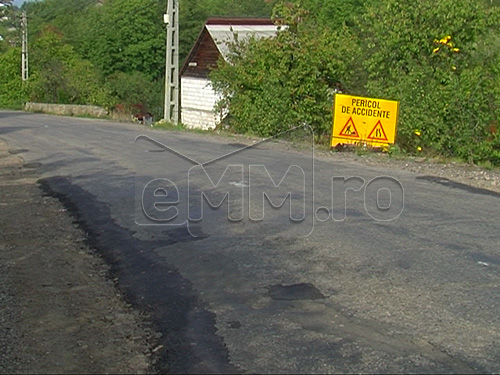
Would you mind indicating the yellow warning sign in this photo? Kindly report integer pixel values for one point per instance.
(364, 120)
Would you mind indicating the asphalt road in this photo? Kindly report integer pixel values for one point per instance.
(366, 270)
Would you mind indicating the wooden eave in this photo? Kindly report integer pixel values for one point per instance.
(203, 70)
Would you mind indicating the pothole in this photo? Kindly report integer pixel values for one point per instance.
(237, 145)
(32, 165)
(18, 151)
(303, 291)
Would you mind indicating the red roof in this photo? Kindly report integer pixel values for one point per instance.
(239, 21)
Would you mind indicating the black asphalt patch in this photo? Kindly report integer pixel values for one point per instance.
(303, 291)
(149, 284)
(18, 151)
(457, 185)
(32, 165)
(237, 145)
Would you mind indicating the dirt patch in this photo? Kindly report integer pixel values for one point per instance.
(59, 312)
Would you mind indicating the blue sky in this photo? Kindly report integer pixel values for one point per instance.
(19, 2)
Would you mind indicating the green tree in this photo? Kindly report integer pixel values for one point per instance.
(126, 36)
(64, 15)
(192, 16)
(334, 14)
(9, 25)
(59, 75)
(239, 8)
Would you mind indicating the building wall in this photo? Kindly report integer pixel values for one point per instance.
(197, 103)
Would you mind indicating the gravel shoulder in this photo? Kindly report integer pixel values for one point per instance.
(59, 312)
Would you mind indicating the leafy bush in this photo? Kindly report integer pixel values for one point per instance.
(134, 92)
(440, 59)
(13, 93)
(271, 85)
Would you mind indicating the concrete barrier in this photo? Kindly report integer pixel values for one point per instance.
(67, 109)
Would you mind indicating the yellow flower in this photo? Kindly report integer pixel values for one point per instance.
(435, 50)
(419, 148)
(453, 68)
(445, 40)
(456, 49)
(417, 132)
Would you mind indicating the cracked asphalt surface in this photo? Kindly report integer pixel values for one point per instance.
(419, 293)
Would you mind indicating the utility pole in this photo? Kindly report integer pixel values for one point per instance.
(24, 52)
(171, 19)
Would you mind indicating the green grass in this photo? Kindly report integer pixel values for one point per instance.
(12, 106)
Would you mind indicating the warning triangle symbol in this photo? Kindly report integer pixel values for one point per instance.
(378, 133)
(349, 129)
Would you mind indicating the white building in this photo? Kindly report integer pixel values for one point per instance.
(197, 95)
